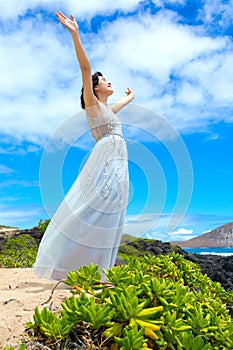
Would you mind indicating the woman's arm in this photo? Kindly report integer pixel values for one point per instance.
(123, 101)
(91, 102)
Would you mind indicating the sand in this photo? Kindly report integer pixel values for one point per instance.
(20, 292)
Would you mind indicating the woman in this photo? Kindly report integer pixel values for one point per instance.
(88, 224)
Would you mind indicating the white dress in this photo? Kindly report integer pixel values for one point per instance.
(88, 224)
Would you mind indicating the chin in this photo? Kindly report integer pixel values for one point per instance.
(110, 92)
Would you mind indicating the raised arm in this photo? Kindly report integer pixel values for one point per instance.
(116, 107)
(91, 102)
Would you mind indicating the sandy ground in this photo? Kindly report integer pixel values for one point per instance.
(20, 292)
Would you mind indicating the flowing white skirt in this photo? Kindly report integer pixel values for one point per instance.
(88, 224)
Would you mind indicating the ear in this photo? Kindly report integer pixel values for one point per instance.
(96, 88)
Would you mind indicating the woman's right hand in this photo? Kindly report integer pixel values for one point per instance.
(70, 24)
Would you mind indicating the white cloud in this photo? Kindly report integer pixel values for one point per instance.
(181, 231)
(18, 183)
(87, 8)
(189, 94)
(218, 13)
(175, 69)
(90, 8)
(12, 146)
(14, 8)
(214, 74)
(149, 225)
(20, 216)
(5, 169)
(161, 3)
(38, 88)
(161, 45)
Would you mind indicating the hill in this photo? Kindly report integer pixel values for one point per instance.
(220, 237)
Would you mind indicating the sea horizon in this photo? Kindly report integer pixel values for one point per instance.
(226, 251)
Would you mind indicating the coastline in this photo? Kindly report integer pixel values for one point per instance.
(218, 251)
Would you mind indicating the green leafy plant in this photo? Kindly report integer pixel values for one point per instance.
(50, 324)
(131, 339)
(21, 347)
(87, 278)
(161, 302)
(43, 224)
(86, 310)
(19, 252)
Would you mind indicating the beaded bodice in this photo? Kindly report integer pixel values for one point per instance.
(105, 123)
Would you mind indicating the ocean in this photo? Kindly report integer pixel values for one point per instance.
(212, 251)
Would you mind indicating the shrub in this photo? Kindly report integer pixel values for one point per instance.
(43, 224)
(161, 302)
(19, 252)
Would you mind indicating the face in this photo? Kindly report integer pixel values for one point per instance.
(104, 86)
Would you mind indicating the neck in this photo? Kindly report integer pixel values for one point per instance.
(103, 99)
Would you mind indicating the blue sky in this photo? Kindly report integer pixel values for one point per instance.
(177, 56)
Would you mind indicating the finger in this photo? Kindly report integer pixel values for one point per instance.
(61, 15)
(73, 18)
(62, 20)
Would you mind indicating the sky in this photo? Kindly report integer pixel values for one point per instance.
(177, 56)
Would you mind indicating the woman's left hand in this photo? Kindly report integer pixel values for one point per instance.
(129, 91)
(69, 23)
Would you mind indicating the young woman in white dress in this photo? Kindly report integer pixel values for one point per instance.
(88, 224)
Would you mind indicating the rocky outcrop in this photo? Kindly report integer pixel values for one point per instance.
(7, 233)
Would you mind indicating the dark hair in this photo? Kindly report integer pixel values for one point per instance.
(95, 81)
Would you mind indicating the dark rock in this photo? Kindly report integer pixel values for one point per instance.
(156, 250)
(34, 232)
(119, 262)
